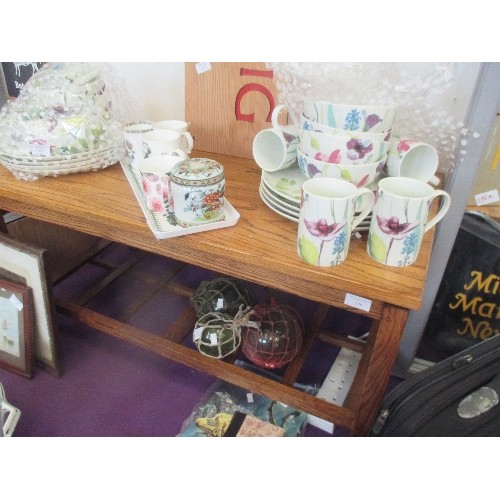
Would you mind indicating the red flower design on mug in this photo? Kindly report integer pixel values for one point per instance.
(322, 229)
(393, 227)
(404, 146)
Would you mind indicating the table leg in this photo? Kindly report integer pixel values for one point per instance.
(375, 368)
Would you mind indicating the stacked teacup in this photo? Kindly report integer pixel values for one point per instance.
(154, 149)
(343, 141)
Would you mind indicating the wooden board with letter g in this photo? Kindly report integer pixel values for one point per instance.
(227, 104)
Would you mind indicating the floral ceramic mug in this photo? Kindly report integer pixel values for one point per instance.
(276, 148)
(413, 159)
(400, 219)
(155, 182)
(327, 218)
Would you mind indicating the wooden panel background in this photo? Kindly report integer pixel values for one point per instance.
(228, 104)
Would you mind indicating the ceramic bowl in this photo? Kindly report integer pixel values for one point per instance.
(342, 148)
(353, 117)
(306, 124)
(360, 175)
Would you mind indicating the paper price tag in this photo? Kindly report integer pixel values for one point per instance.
(358, 302)
(39, 149)
(487, 197)
(220, 304)
(197, 333)
(213, 338)
(201, 67)
(249, 397)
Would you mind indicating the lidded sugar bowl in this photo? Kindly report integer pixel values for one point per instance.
(197, 186)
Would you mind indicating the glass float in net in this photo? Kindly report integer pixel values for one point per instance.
(278, 337)
(217, 335)
(223, 295)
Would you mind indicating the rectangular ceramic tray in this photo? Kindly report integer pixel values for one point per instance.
(158, 224)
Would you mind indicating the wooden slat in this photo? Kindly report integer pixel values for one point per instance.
(310, 333)
(114, 275)
(192, 358)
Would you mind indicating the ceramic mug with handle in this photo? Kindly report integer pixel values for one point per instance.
(401, 218)
(180, 126)
(413, 159)
(327, 219)
(275, 148)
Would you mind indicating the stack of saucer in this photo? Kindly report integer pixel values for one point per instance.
(281, 192)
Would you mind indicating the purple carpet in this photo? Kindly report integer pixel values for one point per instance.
(112, 388)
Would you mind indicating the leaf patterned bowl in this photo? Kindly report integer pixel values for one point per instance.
(341, 148)
(360, 118)
(359, 175)
(306, 124)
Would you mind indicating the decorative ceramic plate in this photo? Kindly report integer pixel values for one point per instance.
(287, 183)
(294, 218)
(165, 226)
(279, 200)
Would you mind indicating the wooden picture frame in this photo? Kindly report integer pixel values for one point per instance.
(25, 264)
(16, 328)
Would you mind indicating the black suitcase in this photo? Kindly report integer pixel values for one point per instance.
(458, 396)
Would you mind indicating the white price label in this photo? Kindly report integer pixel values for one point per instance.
(201, 67)
(249, 397)
(197, 333)
(358, 302)
(39, 148)
(213, 339)
(487, 197)
(220, 304)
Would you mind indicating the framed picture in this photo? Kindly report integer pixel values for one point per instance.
(16, 328)
(25, 264)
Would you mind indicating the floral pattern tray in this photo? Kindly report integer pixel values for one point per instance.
(165, 227)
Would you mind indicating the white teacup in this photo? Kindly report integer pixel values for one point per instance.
(162, 142)
(132, 135)
(400, 219)
(412, 159)
(276, 148)
(180, 126)
(155, 182)
(326, 219)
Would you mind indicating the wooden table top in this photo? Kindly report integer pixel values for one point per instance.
(260, 248)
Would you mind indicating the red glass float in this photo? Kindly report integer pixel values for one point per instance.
(277, 339)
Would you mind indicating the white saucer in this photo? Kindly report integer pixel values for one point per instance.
(279, 200)
(287, 183)
(278, 210)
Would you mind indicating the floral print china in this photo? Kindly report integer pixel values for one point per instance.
(279, 200)
(400, 219)
(360, 118)
(275, 208)
(198, 186)
(164, 225)
(287, 183)
(342, 149)
(359, 175)
(306, 124)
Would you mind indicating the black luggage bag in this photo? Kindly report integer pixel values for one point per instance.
(458, 396)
